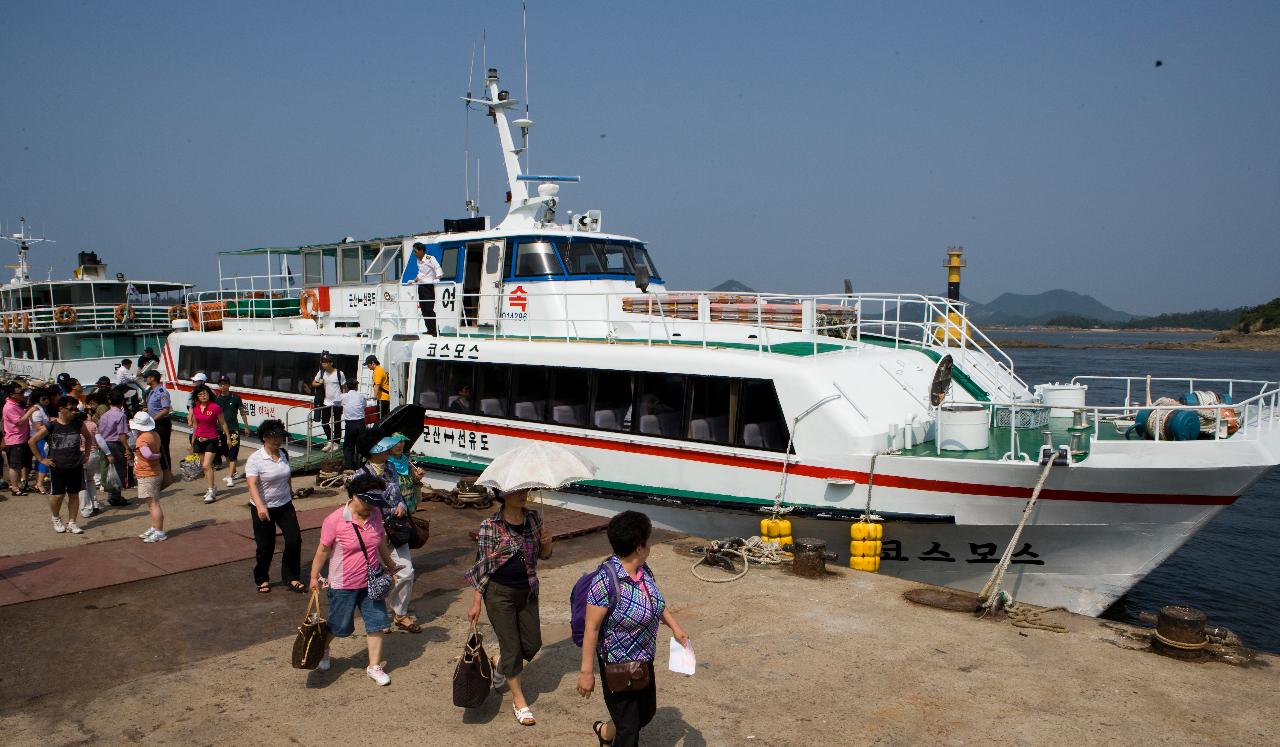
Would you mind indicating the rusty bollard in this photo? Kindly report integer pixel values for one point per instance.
(810, 557)
(1180, 633)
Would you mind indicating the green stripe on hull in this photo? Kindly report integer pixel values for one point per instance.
(625, 486)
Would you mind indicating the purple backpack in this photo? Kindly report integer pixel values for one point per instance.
(578, 600)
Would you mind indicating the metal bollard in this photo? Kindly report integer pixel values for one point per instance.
(1180, 632)
(810, 557)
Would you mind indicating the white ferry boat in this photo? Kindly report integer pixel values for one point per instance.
(85, 325)
(703, 408)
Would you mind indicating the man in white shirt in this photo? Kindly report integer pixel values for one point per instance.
(353, 403)
(124, 374)
(327, 387)
(429, 274)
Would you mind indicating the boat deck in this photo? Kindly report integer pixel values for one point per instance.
(1029, 441)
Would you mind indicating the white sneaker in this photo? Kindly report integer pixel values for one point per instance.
(324, 664)
(333, 446)
(71, 527)
(229, 481)
(377, 675)
(58, 525)
(150, 531)
(210, 495)
(156, 537)
(97, 483)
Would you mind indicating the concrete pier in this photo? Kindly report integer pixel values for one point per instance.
(198, 657)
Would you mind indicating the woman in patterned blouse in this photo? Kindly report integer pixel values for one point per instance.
(505, 579)
(623, 613)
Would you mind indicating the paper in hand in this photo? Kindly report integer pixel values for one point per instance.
(682, 659)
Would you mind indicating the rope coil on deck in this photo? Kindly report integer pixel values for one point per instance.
(751, 550)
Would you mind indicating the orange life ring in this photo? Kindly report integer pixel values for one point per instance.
(205, 316)
(175, 312)
(26, 322)
(125, 312)
(1227, 415)
(6, 322)
(64, 315)
(309, 303)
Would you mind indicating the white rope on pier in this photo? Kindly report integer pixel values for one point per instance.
(991, 596)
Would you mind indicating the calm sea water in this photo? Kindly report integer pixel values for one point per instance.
(1228, 569)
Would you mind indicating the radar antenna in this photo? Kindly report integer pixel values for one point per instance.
(22, 270)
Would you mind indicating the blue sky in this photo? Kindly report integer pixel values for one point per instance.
(784, 144)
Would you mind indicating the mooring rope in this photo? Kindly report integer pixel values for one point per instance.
(751, 550)
(990, 597)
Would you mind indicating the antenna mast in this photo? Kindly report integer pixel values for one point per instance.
(524, 27)
(473, 208)
(22, 271)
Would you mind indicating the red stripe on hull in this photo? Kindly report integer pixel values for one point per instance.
(822, 473)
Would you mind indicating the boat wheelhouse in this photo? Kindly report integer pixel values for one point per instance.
(84, 325)
(706, 408)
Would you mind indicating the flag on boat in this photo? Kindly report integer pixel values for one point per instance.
(132, 294)
(285, 272)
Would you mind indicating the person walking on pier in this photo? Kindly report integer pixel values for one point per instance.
(428, 274)
(352, 404)
(268, 475)
(624, 607)
(113, 430)
(207, 435)
(17, 429)
(148, 469)
(376, 451)
(64, 438)
(351, 541)
(236, 415)
(505, 580)
(160, 407)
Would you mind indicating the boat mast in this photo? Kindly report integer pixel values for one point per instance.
(22, 270)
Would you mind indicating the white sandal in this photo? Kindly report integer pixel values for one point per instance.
(524, 716)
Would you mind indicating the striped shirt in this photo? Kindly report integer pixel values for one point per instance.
(497, 544)
(630, 631)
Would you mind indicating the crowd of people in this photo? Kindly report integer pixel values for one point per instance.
(74, 444)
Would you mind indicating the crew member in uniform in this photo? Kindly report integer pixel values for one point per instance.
(429, 273)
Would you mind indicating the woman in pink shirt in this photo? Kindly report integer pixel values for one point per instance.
(351, 541)
(208, 422)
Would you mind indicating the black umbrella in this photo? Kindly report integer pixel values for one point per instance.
(405, 420)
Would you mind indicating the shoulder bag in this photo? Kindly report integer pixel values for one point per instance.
(313, 636)
(626, 676)
(379, 580)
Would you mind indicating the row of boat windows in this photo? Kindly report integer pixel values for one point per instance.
(77, 347)
(540, 258)
(713, 409)
(287, 372)
(42, 296)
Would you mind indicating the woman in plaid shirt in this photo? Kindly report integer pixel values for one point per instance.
(505, 579)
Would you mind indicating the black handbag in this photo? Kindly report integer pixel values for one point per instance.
(400, 530)
(421, 532)
(313, 636)
(473, 676)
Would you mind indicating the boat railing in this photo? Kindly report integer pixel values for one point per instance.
(1247, 419)
(894, 320)
(82, 317)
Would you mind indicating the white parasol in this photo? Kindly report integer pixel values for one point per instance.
(535, 465)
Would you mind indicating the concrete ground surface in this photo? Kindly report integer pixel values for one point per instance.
(198, 658)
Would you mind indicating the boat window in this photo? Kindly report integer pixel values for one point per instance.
(42, 349)
(460, 387)
(426, 389)
(660, 405)
(568, 400)
(267, 379)
(21, 347)
(185, 354)
(615, 393)
(761, 424)
(614, 258)
(580, 258)
(108, 293)
(350, 268)
(536, 258)
(349, 365)
(491, 390)
(384, 263)
(709, 409)
(529, 392)
(312, 268)
(225, 365)
(640, 256)
(449, 262)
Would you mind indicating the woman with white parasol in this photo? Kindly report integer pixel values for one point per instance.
(505, 576)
